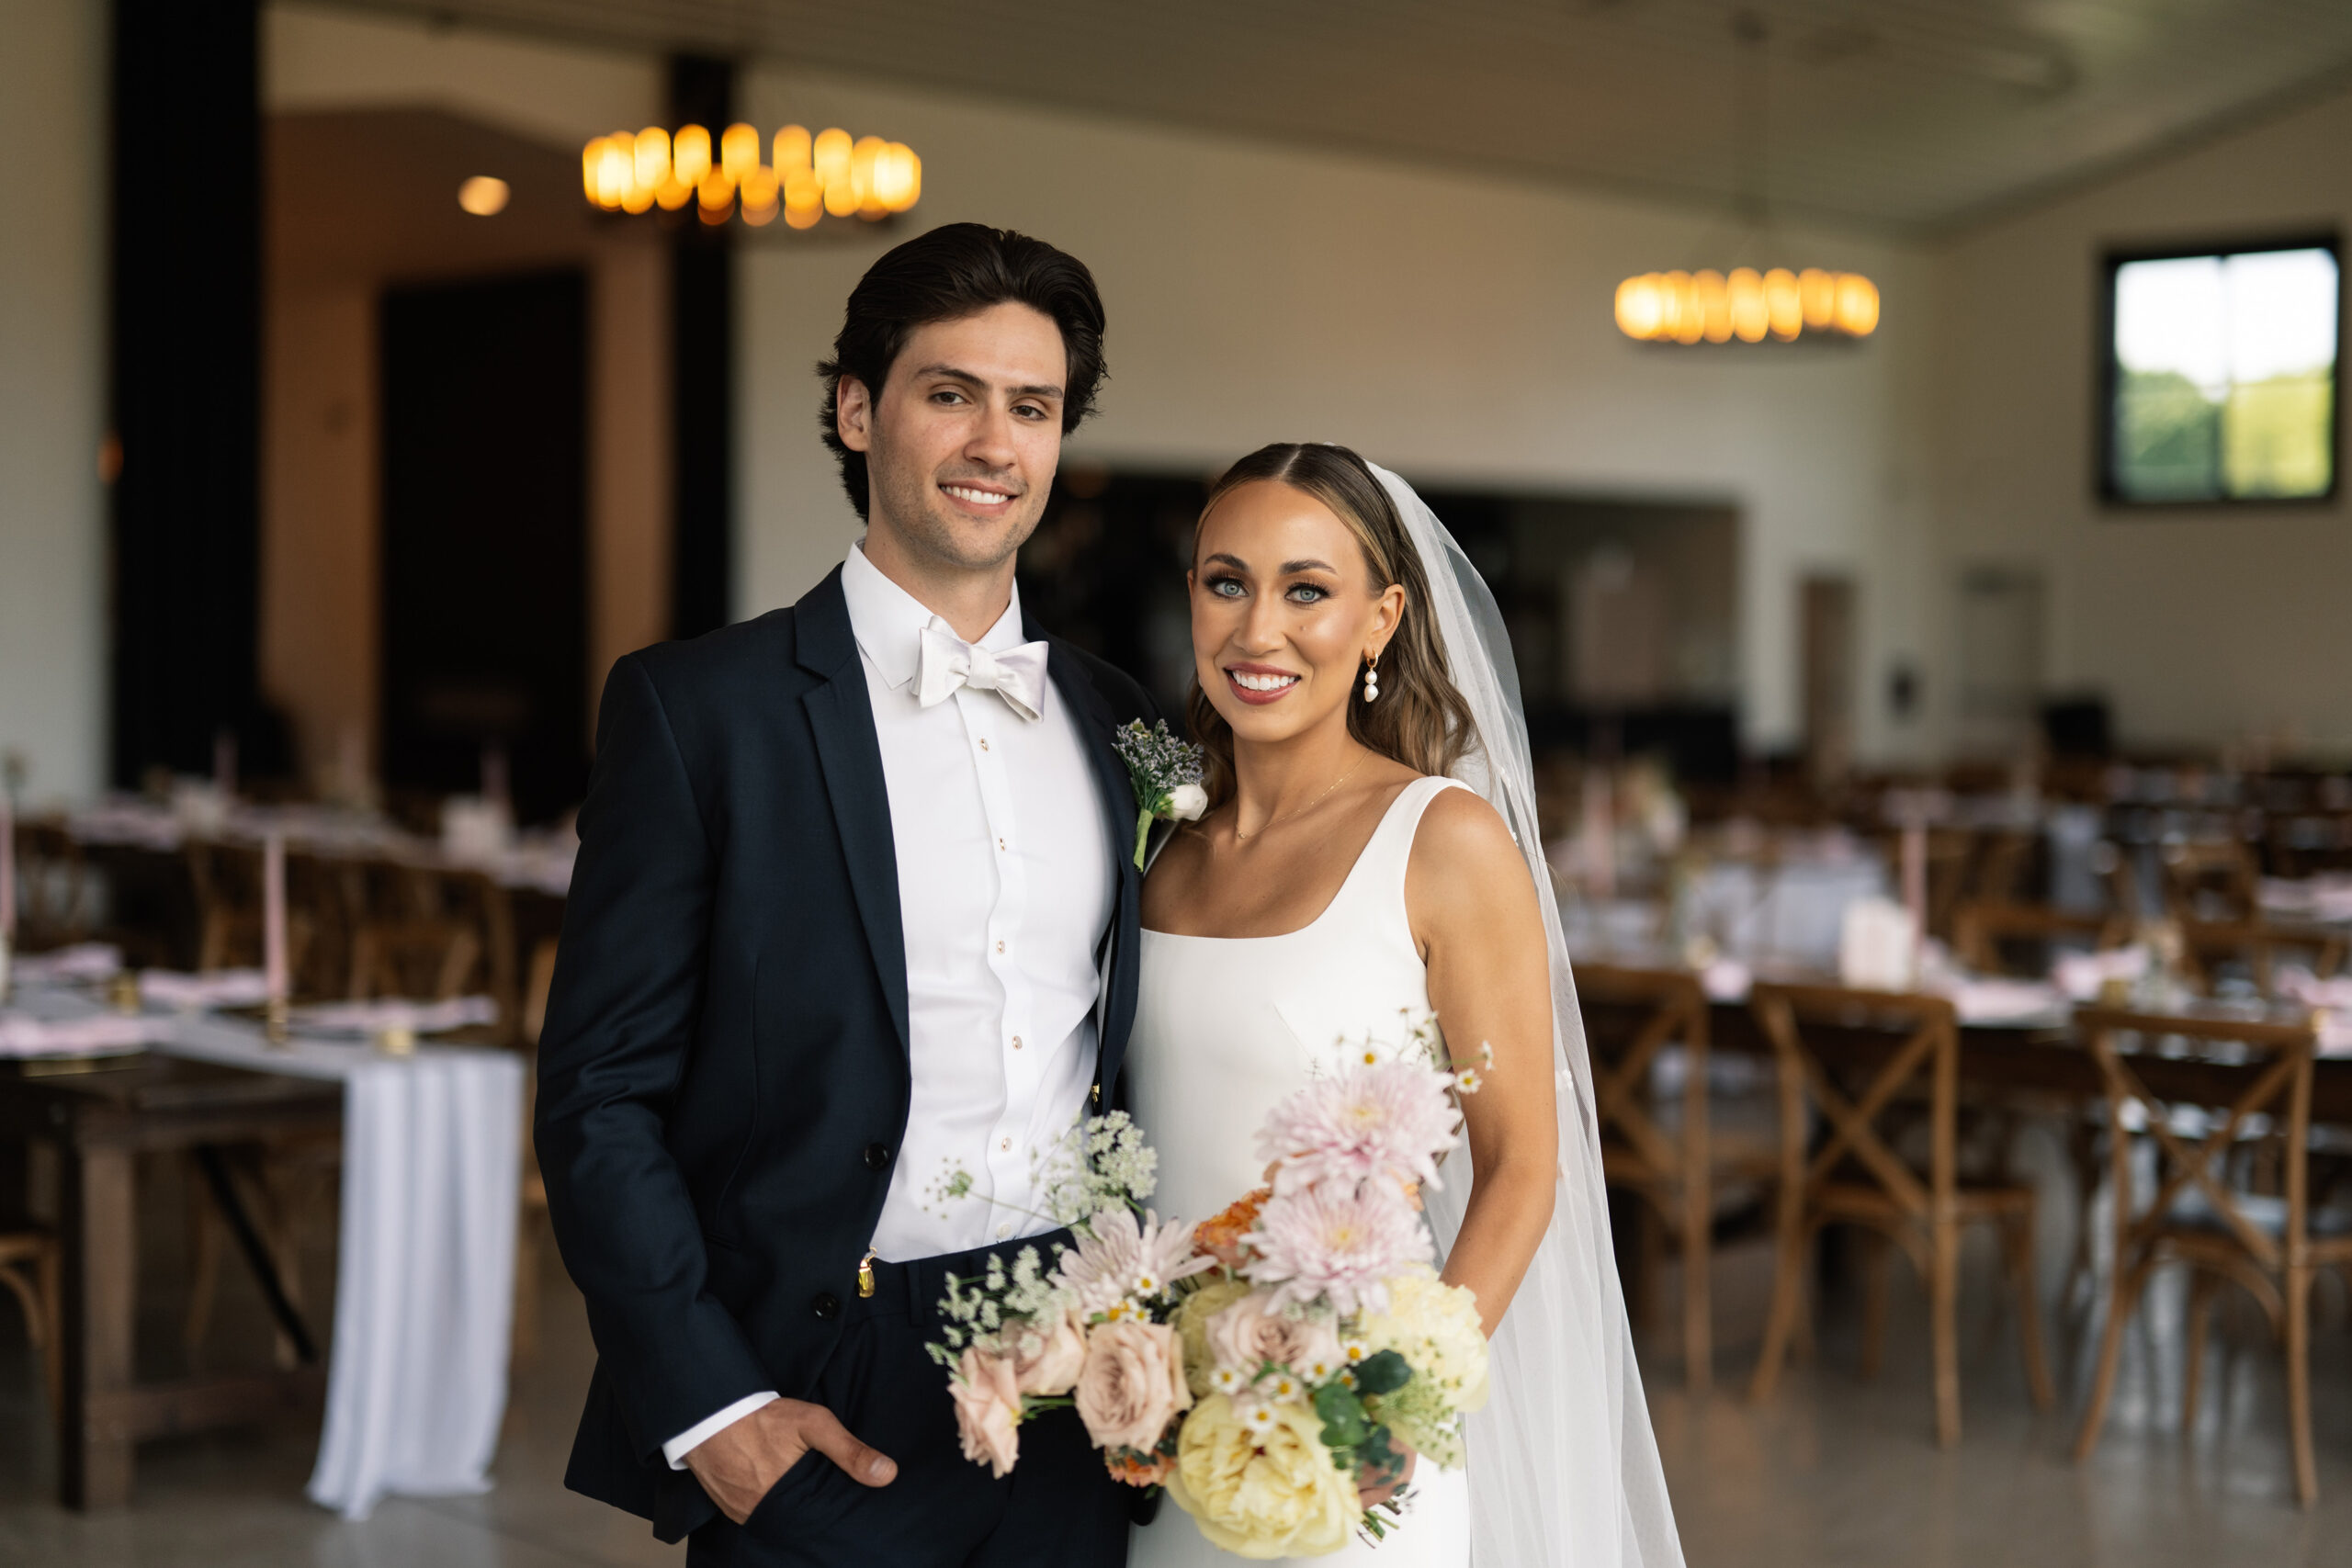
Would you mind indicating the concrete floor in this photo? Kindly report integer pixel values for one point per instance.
(1833, 1472)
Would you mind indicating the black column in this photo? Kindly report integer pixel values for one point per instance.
(186, 351)
(702, 363)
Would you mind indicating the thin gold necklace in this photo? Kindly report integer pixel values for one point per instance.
(1244, 838)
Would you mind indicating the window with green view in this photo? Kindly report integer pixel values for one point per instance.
(2222, 375)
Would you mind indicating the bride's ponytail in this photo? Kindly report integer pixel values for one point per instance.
(1420, 719)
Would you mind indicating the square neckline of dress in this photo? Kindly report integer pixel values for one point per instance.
(1355, 868)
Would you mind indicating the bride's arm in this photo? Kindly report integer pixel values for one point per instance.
(1474, 913)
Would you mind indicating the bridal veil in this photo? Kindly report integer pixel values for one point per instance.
(1564, 1469)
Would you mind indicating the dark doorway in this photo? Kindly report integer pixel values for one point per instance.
(484, 611)
(1826, 628)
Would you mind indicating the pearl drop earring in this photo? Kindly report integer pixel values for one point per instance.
(1371, 677)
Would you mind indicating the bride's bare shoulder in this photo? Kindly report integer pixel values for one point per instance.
(1464, 859)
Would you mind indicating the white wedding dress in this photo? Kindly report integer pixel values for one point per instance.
(1226, 1029)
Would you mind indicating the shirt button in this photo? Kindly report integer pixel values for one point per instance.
(876, 1156)
(1000, 947)
(1016, 1043)
(1003, 1231)
(827, 1307)
(1005, 1144)
(984, 742)
(999, 843)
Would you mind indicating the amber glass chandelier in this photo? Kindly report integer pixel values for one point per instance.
(1708, 306)
(1748, 304)
(806, 178)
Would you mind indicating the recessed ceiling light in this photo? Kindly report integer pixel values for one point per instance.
(484, 196)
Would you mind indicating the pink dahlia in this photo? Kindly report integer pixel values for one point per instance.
(1340, 1242)
(1124, 1257)
(1393, 1117)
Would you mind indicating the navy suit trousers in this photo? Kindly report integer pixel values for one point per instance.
(1059, 1508)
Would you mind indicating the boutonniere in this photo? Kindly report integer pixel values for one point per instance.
(1166, 774)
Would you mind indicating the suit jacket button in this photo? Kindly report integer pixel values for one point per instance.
(827, 1307)
(876, 1156)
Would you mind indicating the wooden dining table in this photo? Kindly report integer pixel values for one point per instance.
(99, 1120)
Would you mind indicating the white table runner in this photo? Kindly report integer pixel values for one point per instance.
(424, 1272)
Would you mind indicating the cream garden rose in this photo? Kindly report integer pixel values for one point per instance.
(1435, 1327)
(1133, 1385)
(1261, 1494)
(1191, 1323)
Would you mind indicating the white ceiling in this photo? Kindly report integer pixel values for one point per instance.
(1910, 115)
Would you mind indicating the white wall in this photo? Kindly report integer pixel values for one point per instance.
(2204, 625)
(1449, 327)
(53, 378)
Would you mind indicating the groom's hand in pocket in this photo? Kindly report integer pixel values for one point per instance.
(738, 1464)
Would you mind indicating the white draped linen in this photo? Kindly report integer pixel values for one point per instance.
(425, 1276)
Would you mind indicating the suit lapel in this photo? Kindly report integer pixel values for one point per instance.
(840, 716)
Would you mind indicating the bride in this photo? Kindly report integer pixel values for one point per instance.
(1369, 851)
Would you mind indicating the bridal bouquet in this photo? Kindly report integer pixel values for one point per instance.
(1090, 1329)
(1267, 1364)
(1325, 1349)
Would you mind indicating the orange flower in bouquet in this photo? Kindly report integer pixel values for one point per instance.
(1221, 1236)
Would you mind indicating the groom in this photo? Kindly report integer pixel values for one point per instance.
(855, 910)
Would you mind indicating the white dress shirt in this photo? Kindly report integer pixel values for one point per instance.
(1005, 890)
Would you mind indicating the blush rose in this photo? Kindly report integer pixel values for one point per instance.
(1048, 1359)
(1132, 1385)
(1255, 1330)
(988, 1410)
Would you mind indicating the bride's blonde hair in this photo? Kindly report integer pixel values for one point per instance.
(1420, 719)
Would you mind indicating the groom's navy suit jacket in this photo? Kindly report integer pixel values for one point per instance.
(723, 1073)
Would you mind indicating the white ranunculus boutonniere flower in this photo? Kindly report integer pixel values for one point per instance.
(1166, 774)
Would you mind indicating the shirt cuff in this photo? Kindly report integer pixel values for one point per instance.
(676, 1449)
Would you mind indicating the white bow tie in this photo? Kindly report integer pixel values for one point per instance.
(1018, 674)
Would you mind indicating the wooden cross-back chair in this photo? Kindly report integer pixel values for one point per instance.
(1853, 1176)
(410, 937)
(2115, 867)
(2003, 858)
(2199, 874)
(1986, 932)
(2269, 1246)
(227, 880)
(53, 904)
(31, 1268)
(2206, 945)
(1678, 1169)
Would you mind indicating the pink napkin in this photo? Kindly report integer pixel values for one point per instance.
(374, 1018)
(218, 988)
(23, 1036)
(2298, 984)
(2081, 975)
(82, 961)
(2000, 1001)
(1725, 980)
(2327, 896)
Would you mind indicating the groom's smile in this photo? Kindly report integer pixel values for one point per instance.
(988, 500)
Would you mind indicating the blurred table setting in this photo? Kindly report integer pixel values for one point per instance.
(1854, 1021)
(424, 1141)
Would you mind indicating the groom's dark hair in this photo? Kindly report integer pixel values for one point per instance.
(957, 270)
